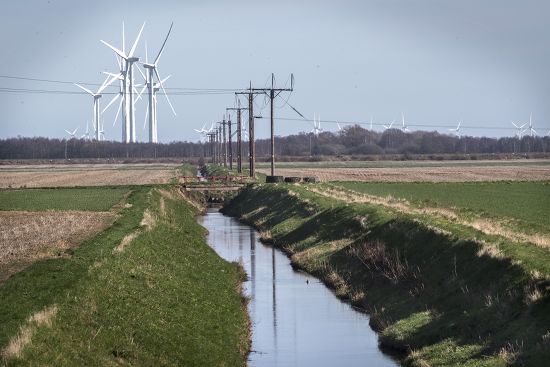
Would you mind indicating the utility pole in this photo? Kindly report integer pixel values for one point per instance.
(239, 134)
(224, 143)
(230, 142)
(211, 145)
(274, 92)
(251, 93)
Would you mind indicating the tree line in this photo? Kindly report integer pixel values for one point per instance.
(352, 140)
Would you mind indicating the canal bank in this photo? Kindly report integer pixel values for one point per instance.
(434, 291)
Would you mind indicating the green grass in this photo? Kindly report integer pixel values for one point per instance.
(88, 199)
(167, 299)
(451, 305)
(527, 203)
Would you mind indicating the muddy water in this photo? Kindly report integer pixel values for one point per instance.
(296, 320)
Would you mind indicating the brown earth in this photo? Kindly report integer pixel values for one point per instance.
(85, 175)
(26, 237)
(428, 174)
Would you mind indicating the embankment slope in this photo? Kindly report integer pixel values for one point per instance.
(440, 293)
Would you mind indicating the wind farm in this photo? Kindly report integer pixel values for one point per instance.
(274, 184)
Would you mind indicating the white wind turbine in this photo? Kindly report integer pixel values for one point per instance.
(519, 129)
(72, 134)
(404, 127)
(371, 123)
(97, 96)
(127, 73)
(86, 135)
(532, 131)
(316, 125)
(456, 130)
(387, 127)
(153, 87)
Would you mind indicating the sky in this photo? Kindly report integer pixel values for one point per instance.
(436, 62)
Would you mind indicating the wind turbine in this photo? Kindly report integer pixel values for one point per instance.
(371, 123)
(339, 127)
(316, 125)
(97, 96)
(456, 130)
(152, 70)
(532, 131)
(404, 127)
(387, 127)
(86, 135)
(519, 128)
(127, 72)
(72, 134)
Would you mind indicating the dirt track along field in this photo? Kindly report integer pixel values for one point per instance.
(428, 174)
(85, 175)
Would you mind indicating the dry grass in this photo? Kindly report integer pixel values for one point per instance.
(26, 237)
(426, 174)
(85, 175)
(24, 337)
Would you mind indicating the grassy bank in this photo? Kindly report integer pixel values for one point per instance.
(147, 291)
(441, 293)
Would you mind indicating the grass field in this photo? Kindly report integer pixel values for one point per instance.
(85, 199)
(527, 203)
(146, 291)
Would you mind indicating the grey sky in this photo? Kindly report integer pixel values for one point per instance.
(484, 62)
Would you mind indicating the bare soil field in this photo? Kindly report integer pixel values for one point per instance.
(426, 174)
(85, 175)
(26, 237)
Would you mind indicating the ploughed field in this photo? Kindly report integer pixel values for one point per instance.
(412, 171)
(19, 176)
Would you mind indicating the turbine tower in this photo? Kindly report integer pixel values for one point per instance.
(127, 63)
(153, 87)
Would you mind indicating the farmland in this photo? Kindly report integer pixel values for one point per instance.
(86, 199)
(450, 171)
(526, 203)
(23, 176)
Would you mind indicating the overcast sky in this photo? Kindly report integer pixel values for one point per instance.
(438, 62)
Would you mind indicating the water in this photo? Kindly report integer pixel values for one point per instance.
(297, 321)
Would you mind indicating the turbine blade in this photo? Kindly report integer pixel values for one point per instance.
(136, 41)
(163, 44)
(143, 75)
(85, 89)
(164, 91)
(118, 111)
(110, 103)
(123, 39)
(116, 50)
(106, 83)
(146, 115)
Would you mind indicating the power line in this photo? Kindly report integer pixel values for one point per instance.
(230, 90)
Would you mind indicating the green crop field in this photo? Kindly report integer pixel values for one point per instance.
(89, 199)
(525, 202)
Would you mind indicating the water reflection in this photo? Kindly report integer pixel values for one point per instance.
(296, 320)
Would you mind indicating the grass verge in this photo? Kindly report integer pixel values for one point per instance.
(147, 291)
(440, 293)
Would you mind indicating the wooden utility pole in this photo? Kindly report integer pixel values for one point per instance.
(252, 147)
(274, 92)
(239, 134)
(224, 143)
(229, 142)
